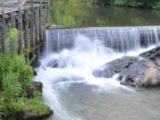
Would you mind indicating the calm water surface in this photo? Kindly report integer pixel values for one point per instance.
(70, 15)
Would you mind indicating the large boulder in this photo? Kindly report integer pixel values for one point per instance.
(116, 66)
(134, 74)
(134, 71)
(130, 69)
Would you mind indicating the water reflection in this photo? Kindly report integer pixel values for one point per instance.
(69, 13)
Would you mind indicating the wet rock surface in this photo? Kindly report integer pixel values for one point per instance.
(134, 74)
(134, 71)
(116, 66)
(152, 54)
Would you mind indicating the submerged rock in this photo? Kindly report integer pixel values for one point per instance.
(53, 63)
(57, 63)
(134, 71)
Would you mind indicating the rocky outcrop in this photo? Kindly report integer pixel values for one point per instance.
(134, 71)
(116, 66)
(33, 114)
(33, 108)
(130, 69)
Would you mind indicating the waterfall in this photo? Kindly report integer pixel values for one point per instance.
(71, 89)
(118, 38)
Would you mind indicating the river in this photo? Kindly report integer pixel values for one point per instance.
(77, 15)
(71, 55)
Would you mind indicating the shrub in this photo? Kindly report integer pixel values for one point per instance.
(13, 36)
(15, 74)
(13, 65)
(1, 107)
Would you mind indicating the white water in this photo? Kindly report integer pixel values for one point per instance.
(119, 38)
(75, 94)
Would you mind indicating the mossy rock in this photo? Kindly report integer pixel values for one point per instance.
(34, 110)
(36, 86)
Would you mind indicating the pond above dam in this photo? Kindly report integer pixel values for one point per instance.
(78, 15)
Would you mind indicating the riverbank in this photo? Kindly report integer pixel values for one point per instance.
(127, 3)
(20, 98)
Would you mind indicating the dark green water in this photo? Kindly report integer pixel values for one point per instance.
(76, 15)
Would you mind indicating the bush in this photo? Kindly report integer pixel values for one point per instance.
(15, 75)
(13, 36)
(14, 66)
(1, 107)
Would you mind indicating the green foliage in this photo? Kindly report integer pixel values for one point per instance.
(133, 3)
(35, 104)
(13, 36)
(157, 5)
(37, 95)
(1, 107)
(11, 87)
(15, 65)
(67, 13)
(17, 105)
(30, 104)
(15, 74)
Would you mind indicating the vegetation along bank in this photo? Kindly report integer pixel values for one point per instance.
(20, 97)
(155, 4)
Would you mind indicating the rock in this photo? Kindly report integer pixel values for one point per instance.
(33, 114)
(57, 63)
(37, 64)
(36, 86)
(53, 63)
(132, 71)
(34, 72)
(134, 74)
(116, 66)
(152, 54)
(152, 75)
